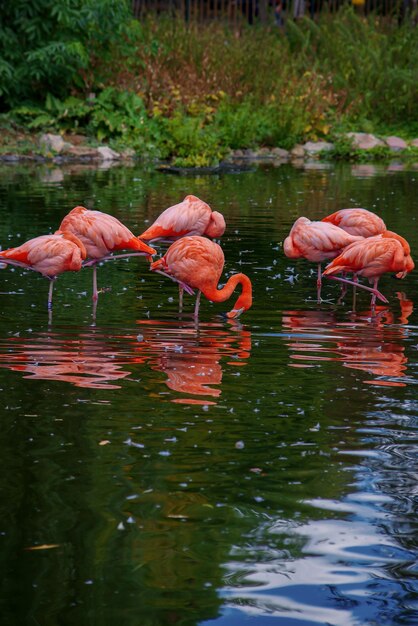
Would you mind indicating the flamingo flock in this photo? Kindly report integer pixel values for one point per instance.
(356, 241)
(86, 238)
(353, 241)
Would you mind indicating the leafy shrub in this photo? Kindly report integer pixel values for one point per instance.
(44, 44)
(191, 142)
(373, 66)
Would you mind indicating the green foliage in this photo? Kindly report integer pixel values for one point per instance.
(112, 115)
(242, 125)
(44, 44)
(55, 115)
(191, 142)
(192, 92)
(374, 66)
(249, 124)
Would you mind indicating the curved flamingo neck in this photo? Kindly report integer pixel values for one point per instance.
(220, 295)
(74, 239)
(389, 234)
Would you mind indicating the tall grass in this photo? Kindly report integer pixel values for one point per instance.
(343, 66)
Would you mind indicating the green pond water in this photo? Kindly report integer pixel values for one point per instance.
(260, 471)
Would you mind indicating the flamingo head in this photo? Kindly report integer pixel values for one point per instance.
(147, 250)
(409, 266)
(234, 313)
(245, 299)
(216, 226)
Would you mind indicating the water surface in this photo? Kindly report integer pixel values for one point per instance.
(160, 472)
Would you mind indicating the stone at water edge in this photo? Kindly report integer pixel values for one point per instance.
(297, 152)
(364, 141)
(107, 154)
(396, 143)
(83, 152)
(53, 143)
(314, 147)
(280, 153)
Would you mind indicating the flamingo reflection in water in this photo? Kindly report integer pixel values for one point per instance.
(191, 361)
(377, 348)
(84, 361)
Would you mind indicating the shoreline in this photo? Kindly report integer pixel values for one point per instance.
(76, 149)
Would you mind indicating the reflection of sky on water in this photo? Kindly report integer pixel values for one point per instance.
(358, 565)
(338, 572)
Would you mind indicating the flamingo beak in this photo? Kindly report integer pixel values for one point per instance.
(235, 313)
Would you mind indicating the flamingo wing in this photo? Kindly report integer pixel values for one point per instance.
(370, 258)
(101, 233)
(357, 222)
(317, 241)
(190, 217)
(195, 261)
(48, 254)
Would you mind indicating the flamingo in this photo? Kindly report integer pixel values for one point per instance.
(357, 222)
(197, 263)
(190, 217)
(50, 255)
(101, 235)
(317, 242)
(371, 258)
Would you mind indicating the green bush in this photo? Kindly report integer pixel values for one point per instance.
(45, 45)
(191, 142)
(373, 65)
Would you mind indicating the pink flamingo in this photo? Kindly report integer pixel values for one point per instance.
(357, 222)
(50, 255)
(101, 235)
(317, 242)
(371, 258)
(197, 263)
(190, 217)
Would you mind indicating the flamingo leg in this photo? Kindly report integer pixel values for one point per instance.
(51, 287)
(6, 262)
(373, 300)
(95, 292)
(351, 282)
(93, 312)
(343, 289)
(196, 308)
(319, 284)
(355, 280)
(186, 287)
(181, 291)
(113, 257)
